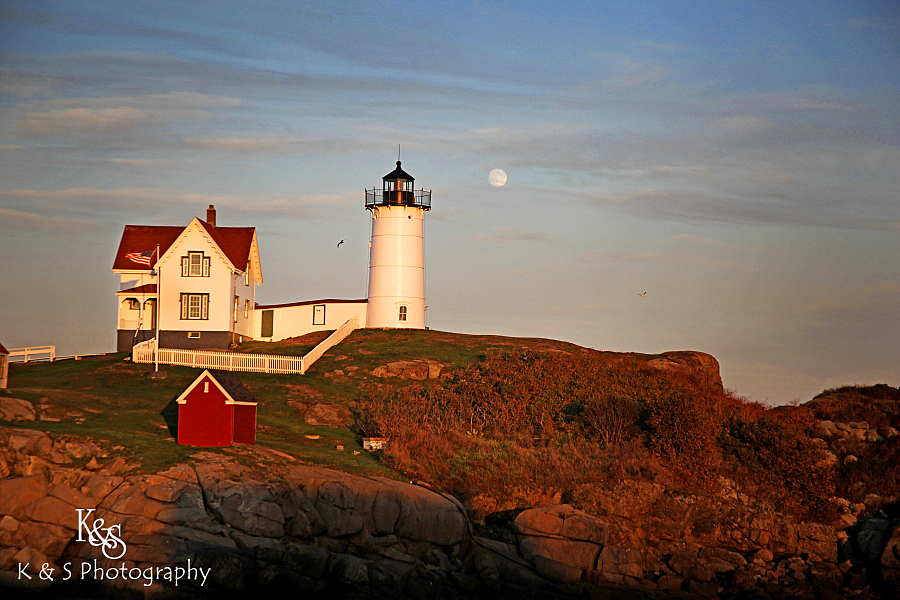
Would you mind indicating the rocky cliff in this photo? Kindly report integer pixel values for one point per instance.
(76, 523)
(703, 366)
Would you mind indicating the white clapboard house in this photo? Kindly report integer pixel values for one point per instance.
(204, 278)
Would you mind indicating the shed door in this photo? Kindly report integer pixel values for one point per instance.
(319, 314)
(268, 321)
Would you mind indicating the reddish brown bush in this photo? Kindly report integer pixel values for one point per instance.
(775, 454)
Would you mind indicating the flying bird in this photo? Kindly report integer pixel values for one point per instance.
(642, 295)
(340, 242)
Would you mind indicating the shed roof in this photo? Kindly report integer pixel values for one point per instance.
(234, 390)
(237, 390)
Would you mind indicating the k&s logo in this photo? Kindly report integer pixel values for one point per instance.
(106, 538)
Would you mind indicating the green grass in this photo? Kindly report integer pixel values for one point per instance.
(117, 404)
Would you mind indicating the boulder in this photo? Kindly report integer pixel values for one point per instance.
(418, 369)
(31, 442)
(332, 415)
(562, 534)
(17, 493)
(14, 409)
(890, 560)
(615, 563)
(703, 366)
(819, 541)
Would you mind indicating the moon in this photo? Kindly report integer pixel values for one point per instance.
(497, 177)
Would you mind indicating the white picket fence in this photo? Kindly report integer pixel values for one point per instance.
(241, 361)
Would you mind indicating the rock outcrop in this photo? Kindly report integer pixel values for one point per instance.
(418, 369)
(703, 366)
(15, 409)
(75, 522)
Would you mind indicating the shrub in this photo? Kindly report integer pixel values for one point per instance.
(775, 453)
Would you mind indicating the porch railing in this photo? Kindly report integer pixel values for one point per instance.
(133, 324)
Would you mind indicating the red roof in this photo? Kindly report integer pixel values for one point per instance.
(235, 242)
(143, 238)
(3, 350)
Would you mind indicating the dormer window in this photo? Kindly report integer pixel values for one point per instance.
(195, 264)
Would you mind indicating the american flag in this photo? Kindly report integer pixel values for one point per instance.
(142, 258)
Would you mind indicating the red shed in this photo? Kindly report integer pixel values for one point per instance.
(216, 410)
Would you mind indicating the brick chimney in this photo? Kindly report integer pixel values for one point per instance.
(211, 216)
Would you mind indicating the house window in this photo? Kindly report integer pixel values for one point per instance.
(247, 274)
(205, 387)
(194, 306)
(403, 311)
(237, 306)
(193, 335)
(195, 264)
(246, 309)
(132, 303)
(318, 314)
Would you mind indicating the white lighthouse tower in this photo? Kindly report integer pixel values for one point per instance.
(397, 253)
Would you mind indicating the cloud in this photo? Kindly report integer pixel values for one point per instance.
(124, 198)
(244, 144)
(620, 71)
(699, 240)
(94, 120)
(115, 114)
(21, 220)
(652, 46)
(750, 207)
(134, 162)
(875, 22)
(507, 234)
(177, 100)
(590, 256)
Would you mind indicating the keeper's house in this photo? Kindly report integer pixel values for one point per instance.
(206, 278)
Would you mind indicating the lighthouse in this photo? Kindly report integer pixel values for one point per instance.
(396, 252)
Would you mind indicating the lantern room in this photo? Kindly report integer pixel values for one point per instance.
(398, 189)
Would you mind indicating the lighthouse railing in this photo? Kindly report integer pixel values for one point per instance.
(417, 198)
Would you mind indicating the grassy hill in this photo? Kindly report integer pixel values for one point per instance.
(510, 421)
(114, 401)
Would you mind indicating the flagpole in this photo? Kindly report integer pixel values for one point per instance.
(158, 298)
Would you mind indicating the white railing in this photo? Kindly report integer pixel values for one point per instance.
(132, 324)
(241, 361)
(335, 338)
(32, 353)
(143, 352)
(211, 359)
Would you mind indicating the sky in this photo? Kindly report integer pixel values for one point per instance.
(737, 161)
